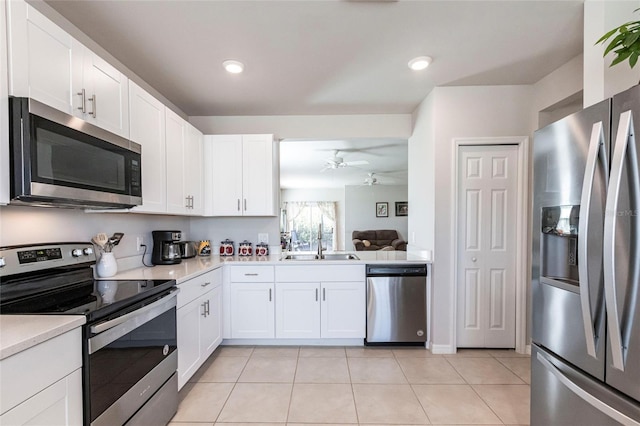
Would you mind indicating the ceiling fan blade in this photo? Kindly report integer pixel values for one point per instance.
(356, 163)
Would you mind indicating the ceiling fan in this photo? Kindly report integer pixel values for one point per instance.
(336, 162)
(370, 180)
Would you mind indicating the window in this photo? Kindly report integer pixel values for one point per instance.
(302, 221)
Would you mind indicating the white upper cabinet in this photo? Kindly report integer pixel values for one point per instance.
(48, 65)
(242, 179)
(147, 121)
(193, 164)
(4, 112)
(101, 92)
(40, 58)
(176, 128)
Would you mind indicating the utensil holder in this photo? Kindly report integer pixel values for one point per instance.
(107, 265)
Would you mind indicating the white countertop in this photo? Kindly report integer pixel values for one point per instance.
(20, 332)
(191, 268)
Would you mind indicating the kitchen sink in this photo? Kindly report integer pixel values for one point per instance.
(328, 256)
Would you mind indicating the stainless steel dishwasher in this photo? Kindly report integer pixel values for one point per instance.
(396, 304)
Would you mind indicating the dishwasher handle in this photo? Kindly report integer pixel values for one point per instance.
(396, 270)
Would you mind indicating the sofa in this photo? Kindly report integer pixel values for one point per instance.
(384, 239)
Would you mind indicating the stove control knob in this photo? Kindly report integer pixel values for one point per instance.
(88, 251)
(76, 253)
(2, 262)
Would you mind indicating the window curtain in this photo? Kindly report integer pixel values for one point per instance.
(328, 209)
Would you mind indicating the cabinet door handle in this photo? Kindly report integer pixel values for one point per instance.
(83, 106)
(269, 295)
(208, 308)
(245, 204)
(316, 294)
(204, 309)
(324, 294)
(205, 284)
(186, 202)
(238, 204)
(94, 102)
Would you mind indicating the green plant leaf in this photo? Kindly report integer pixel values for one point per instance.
(622, 55)
(614, 43)
(630, 39)
(633, 59)
(606, 36)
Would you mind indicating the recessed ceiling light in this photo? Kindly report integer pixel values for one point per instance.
(234, 67)
(420, 63)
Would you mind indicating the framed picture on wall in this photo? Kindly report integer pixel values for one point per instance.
(402, 208)
(382, 209)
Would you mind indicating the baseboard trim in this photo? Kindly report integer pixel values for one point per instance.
(442, 349)
(527, 349)
(293, 342)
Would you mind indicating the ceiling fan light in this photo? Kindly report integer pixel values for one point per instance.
(234, 67)
(420, 63)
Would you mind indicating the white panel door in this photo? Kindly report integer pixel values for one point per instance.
(193, 170)
(175, 140)
(298, 310)
(257, 175)
(107, 92)
(224, 186)
(211, 324)
(58, 404)
(252, 310)
(188, 319)
(486, 258)
(343, 310)
(147, 129)
(40, 58)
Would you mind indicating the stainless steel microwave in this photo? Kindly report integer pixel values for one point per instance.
(60, 160)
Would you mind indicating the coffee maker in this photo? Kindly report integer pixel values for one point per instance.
(166, 247)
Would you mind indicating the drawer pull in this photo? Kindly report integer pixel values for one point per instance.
(205, 284)
(251, 275)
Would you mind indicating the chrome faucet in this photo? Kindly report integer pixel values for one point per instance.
(320, 241)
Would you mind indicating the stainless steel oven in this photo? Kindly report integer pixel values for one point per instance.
(58, 159)
(129, 341)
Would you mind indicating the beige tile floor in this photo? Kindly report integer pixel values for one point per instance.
(255, 386)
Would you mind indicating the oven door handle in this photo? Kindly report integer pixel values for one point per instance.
(112, 330)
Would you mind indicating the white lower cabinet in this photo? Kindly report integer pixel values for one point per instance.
(42, 385)
(59, 404)
(252, 309)
(251, 302)
(320, 310)
(298, 310)
(343, 309)
(199, 322)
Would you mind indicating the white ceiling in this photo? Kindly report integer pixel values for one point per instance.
(317, 57)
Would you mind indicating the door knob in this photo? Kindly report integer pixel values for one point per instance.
(473, 259)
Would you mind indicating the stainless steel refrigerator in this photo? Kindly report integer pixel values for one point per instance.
(586, 267)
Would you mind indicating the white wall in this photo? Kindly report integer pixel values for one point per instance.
(600, 80)
(360, 209)
(310, 126)
(236, 229)
(321, 194)
(33, 225)
(421, 189)
(448, 113)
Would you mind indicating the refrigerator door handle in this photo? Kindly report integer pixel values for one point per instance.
(596, 151)
(622, 147)
(584, 394)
